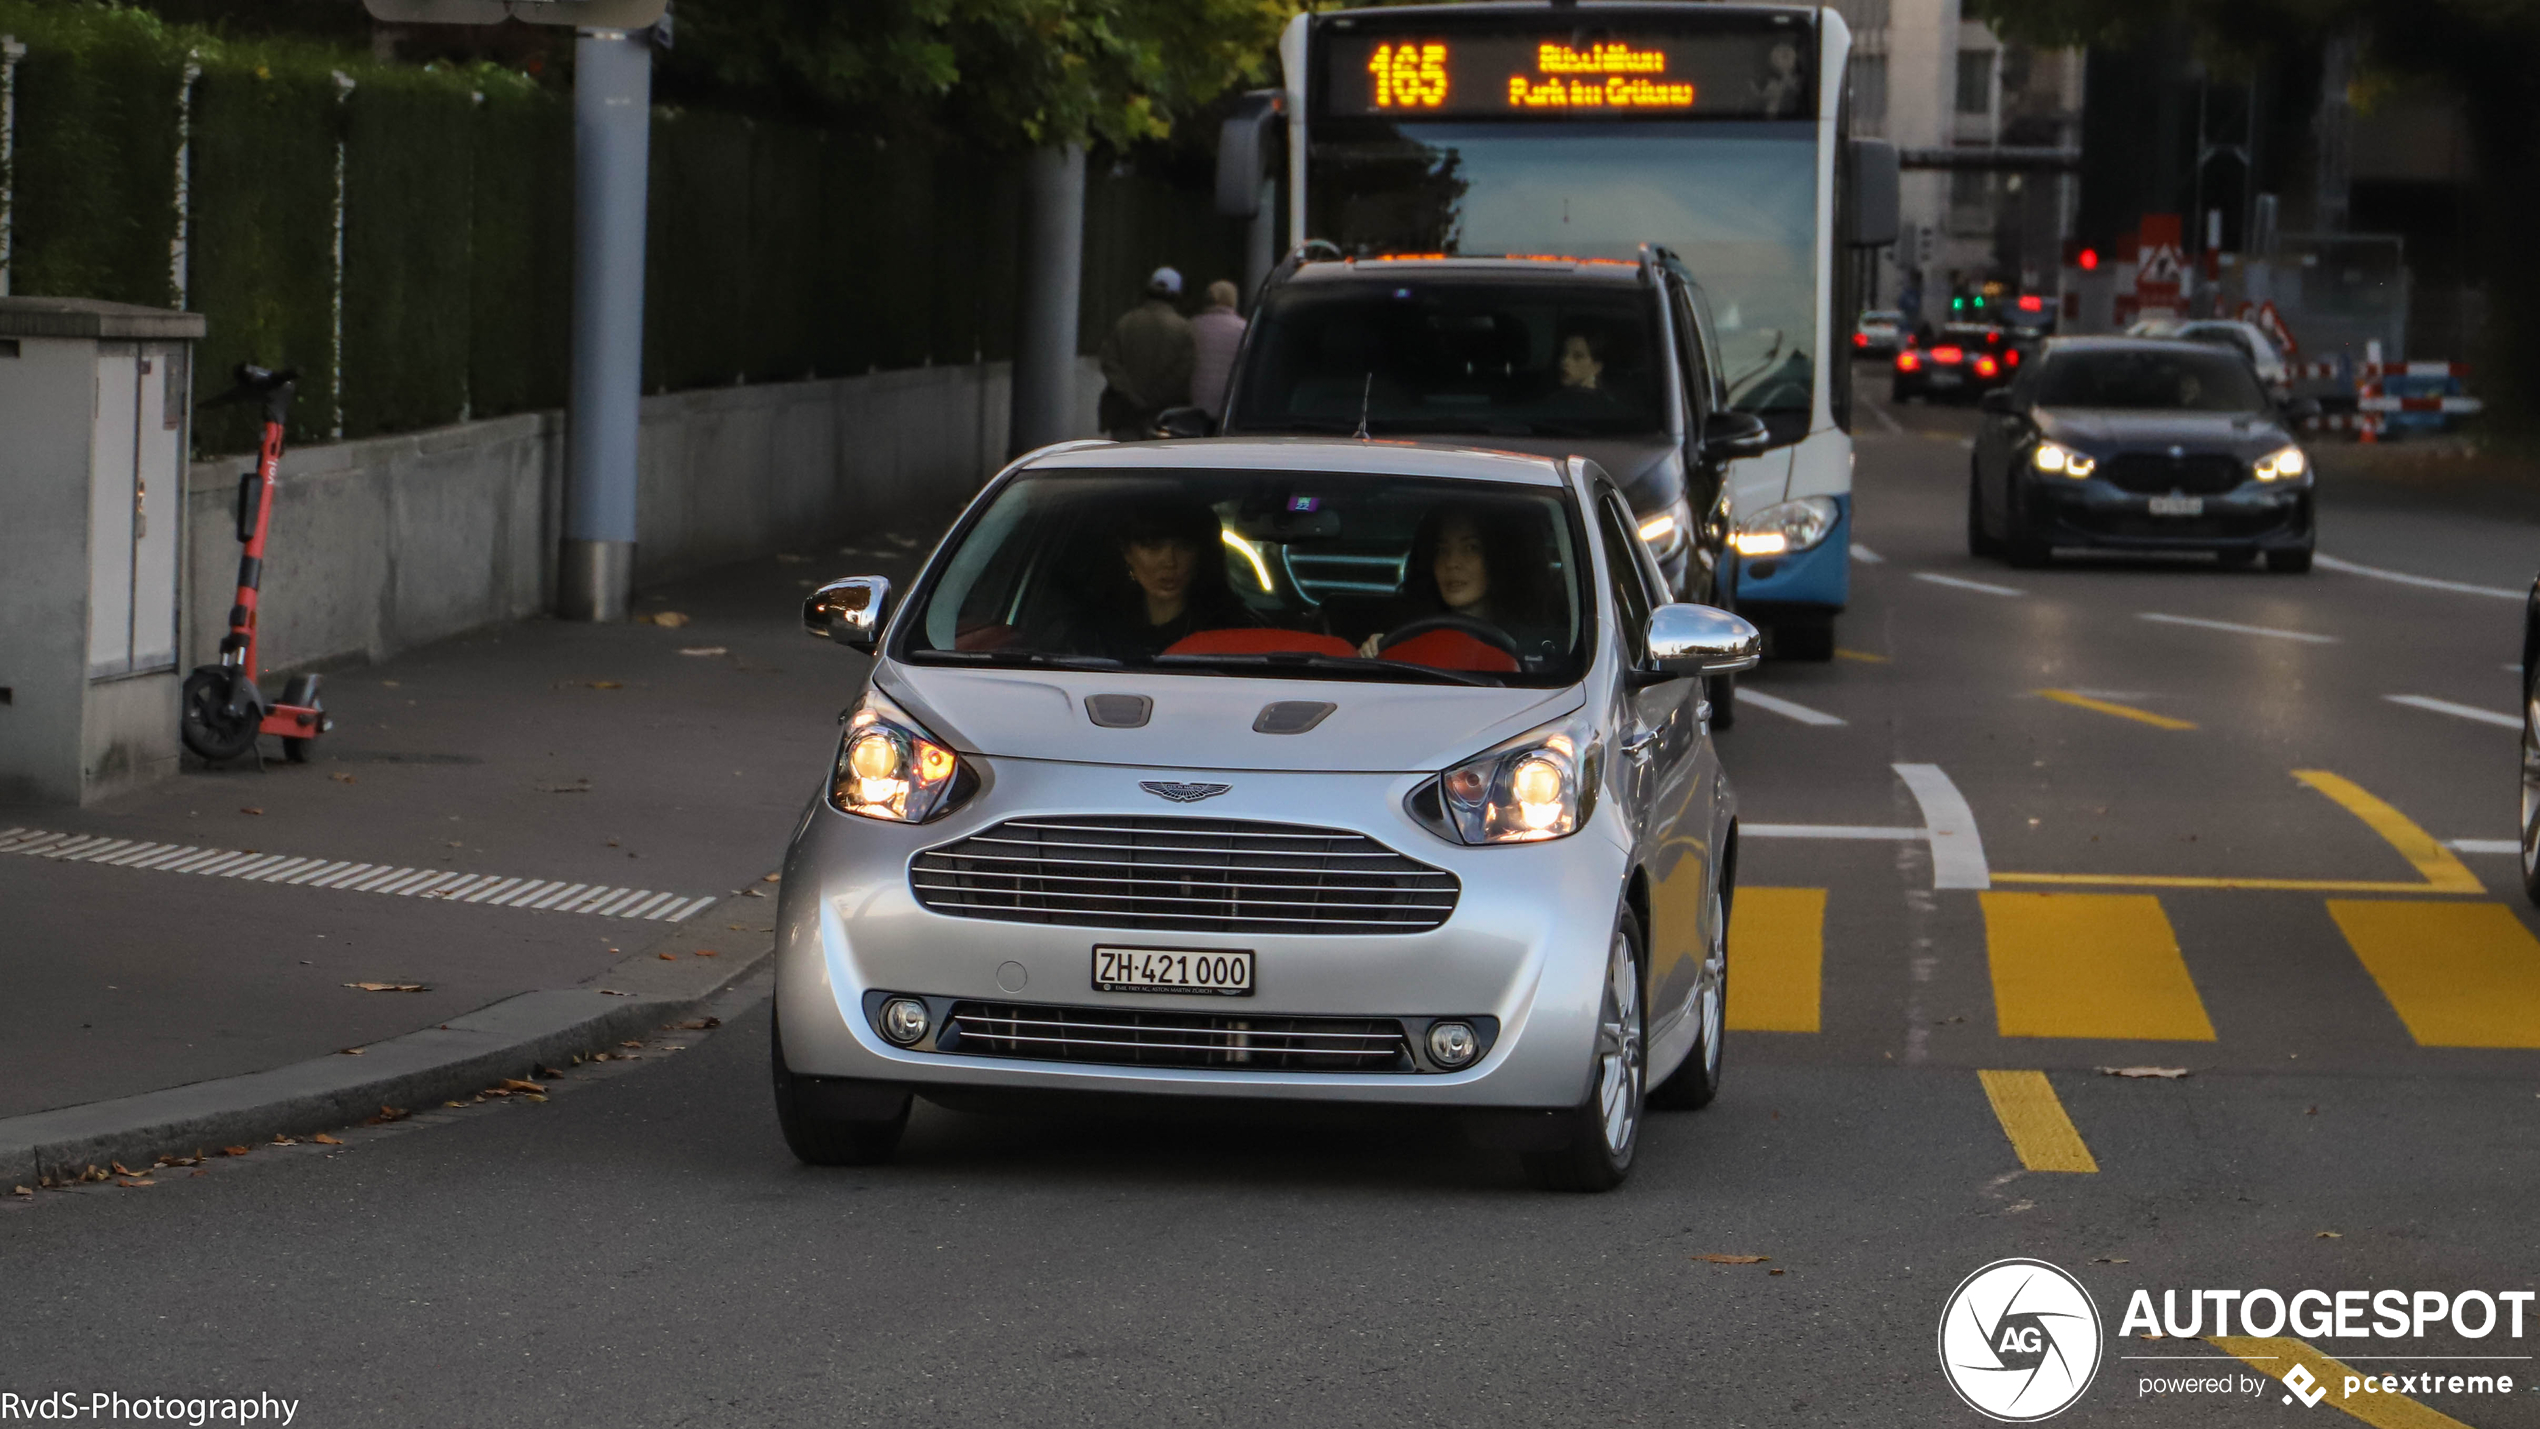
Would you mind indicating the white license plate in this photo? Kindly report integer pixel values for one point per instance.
(1944, 378)
(2178, 506)
(1208, 970)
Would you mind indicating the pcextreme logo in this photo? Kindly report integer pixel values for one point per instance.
(2019, 1341)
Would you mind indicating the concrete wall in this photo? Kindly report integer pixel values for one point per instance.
(382, 545)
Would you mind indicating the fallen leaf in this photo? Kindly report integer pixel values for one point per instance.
(24, 1190)
(606, 684)
(233, 1151)
(323, 1139)
(667, 619)
(738, 927)
(668, 957)
(703, 650)
(2110, 1260)
(708, 953)
(2330, 1235)
(1777, 1270)
(2314, 1111)
(342, 778)
(550, 1073)
(2165, 1073)
(454, 1103)
(630, 1044)
(773, 878)
(351, 1051)
(251, 811)
(391, 684)
(201, 1173)
(1716, 1259)
(388, 987)
(694, 1024)
(133, 1184)
(518, 1085)
(602, 1057)
(386, 1115)
(493, 1092)
(613, 992)
(123, 1170)
(281, 1140)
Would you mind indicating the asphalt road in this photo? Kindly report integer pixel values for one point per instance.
(640, 1249)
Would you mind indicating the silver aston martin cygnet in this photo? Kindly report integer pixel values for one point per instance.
(1293, 769)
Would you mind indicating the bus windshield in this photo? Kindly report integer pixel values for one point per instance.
(1736, 200)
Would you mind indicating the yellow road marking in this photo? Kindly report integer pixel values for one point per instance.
(2458, 974)
(2277, 1357)
(1777, 954)
(2273, 885)
(2110, 707)
(1862, 655)
(2031, 1116)
(2089, 965)
(2444, 872)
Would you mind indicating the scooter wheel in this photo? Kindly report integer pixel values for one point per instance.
(206, 722)
(302, 693)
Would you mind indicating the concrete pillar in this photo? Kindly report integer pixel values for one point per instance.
(1922, 100)
(1053, 261)
(612, 147)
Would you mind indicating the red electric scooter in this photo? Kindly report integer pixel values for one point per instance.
(223, 710)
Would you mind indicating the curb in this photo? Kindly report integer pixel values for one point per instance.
(510, 1038)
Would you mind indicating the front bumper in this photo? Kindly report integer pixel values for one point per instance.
(2254, 515)
(1525, 948)
(1815, 582)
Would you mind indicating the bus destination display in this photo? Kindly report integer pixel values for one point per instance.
(1745, 75)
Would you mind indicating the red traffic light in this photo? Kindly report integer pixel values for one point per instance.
(2031, 302)
(2089, 260)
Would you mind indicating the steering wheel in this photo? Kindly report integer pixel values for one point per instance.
(1482, 630)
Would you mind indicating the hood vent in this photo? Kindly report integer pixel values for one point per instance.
(1119, 711)
(1291, 716)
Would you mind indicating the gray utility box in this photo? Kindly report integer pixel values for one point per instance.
(94, 406)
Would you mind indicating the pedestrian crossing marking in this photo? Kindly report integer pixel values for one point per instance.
(1777, 953)
(2102, 965)
(2442, 869)
(2458, 974)
(2035, 1121)
(440, 885)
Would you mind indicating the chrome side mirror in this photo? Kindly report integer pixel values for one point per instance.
(850, 611)
(1702, 640)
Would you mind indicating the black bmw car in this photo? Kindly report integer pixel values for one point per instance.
(2143, 444)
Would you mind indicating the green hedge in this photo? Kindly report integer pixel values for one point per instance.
(775, 251)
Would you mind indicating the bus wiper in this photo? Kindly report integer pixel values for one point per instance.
(1039, 658)
(1308, 660)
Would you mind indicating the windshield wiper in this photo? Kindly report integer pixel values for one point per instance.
(1042, 658)
(1307, 660)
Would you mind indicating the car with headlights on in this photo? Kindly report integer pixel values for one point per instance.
(1297, 770)
(2139, 444)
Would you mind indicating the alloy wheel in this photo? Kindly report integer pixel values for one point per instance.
(1618, 1050)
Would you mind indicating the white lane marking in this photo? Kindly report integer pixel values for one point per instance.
(1866, 556)
(2428, 702)
(2235, 628)
(2403, 578)
(1957, 852)
(1957, 583)
(1833, 831)
(258, 867)
(1786, 708)
(1894, 427)
(2484, 845)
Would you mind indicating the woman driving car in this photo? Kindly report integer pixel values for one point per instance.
(1474, 570)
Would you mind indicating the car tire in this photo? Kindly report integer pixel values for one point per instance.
(1603, 1130)
(2022, 546)
(1721, 691)
(1693, 1085)
(2290, 563)
(2531, 787)
(820, 1138)
(1809, 641)
(1979, 542)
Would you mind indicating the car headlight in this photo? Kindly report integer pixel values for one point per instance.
(890, 768)
(1665, 532)
(1785, 526)
(2282, 464)
(1540, 785)
(2056, 457)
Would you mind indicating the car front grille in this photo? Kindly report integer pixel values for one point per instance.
(1183, 875)
(1176, 1039)
(2197, 474)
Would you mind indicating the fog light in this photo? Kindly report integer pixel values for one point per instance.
(904, 1020)
(1453, 1044)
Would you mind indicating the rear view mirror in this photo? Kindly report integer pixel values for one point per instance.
(1702, 640)
(1185, 422)
(1735, 434)
(1874, 194)
(1246, 145)
(850, 611)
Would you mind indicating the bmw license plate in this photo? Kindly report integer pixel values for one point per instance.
(1200, 970)
(2175, 505)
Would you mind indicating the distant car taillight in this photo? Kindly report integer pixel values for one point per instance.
(1951, 355)
(1908, 362)
(1986, 367)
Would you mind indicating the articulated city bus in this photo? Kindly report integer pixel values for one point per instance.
(1717, 131)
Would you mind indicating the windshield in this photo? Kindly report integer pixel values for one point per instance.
(2182, 379)
(1424, 357)
(1264, 573)
(1736, 200)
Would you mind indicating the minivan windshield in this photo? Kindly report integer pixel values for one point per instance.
(1216, 573)
(2186, 377)
(1432, 356)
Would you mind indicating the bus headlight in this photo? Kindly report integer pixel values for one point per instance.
(890, 768)
(2283, 464)
(2055, 457)
(1785, 526)
(1665, 532)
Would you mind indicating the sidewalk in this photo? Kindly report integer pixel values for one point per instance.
(667, 762)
